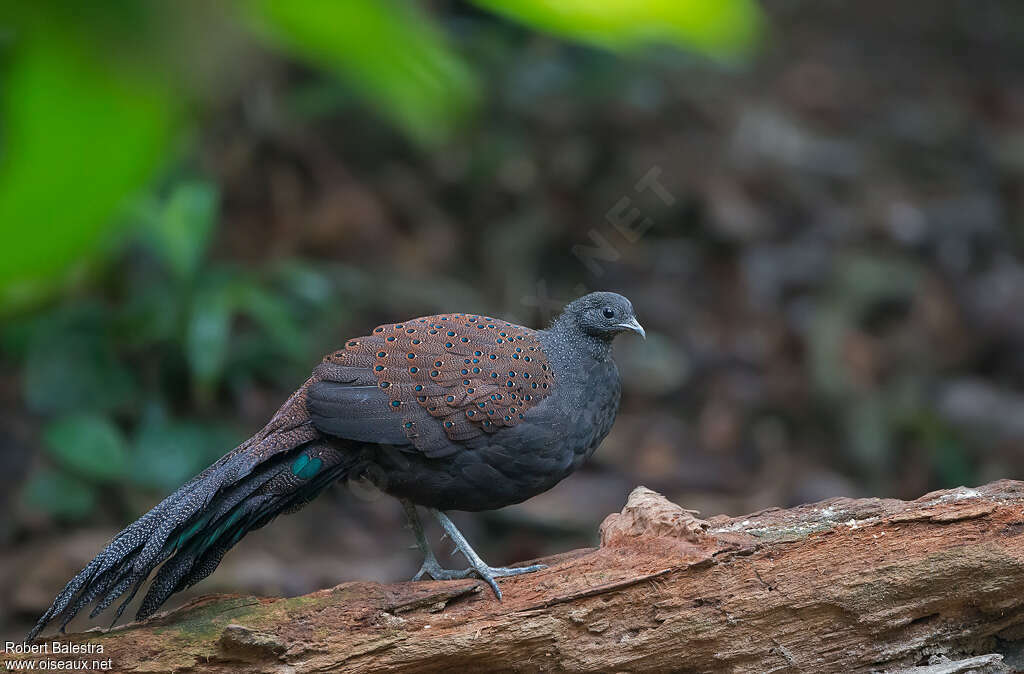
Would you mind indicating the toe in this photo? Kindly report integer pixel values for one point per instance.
(502, 572)
(494, 585)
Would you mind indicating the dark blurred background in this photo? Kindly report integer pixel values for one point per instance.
(815, 207)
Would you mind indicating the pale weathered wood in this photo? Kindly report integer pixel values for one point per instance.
(936, 584)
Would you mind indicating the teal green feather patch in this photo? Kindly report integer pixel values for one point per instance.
(224, 526)
(310, 469)
(190, 532)
(299, 464)
(230, 521)
(239, 532)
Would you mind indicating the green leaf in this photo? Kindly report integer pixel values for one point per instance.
(386, 48)
(71, 364)
(167, 454)
(306, 283)
(272, 314)
(80, 133)
(89, 445)
(221, 297)
(59, 494)
(717, 28)
(208, 331)
(151, 314)
(181, 231)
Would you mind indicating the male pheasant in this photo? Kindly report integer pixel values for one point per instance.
(449, 412)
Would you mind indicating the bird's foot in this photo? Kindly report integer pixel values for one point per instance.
(432, 569)
(490, 573)
(477, 565)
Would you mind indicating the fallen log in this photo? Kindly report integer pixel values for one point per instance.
(932, 585)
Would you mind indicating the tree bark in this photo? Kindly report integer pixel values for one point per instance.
(932, 585)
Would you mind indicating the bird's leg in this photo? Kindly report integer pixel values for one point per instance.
(430, 567)
(477, 565)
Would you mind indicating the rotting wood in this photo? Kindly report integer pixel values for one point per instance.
(935, 584)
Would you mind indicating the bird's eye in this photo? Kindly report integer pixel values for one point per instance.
(609, 312)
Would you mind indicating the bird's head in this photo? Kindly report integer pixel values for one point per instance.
(603, 315)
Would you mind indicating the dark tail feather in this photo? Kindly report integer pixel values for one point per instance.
(191, 530)
(284, 488)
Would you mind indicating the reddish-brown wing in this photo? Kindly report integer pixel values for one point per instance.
(473, 374)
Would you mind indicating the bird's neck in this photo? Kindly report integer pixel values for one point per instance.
(566, 342)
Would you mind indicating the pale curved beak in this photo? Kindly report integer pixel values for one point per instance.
(635, 326)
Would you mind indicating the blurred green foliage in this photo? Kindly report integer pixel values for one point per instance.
(79, 134)
(93, 368)
(722, 28)
(388, 49)
(95, 100)
(90, 106)
(167, 452)
(60, 494)
(88, 445)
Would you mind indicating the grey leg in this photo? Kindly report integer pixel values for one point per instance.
(488, 573)
(430, 567)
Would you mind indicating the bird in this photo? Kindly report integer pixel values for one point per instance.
(445, 412)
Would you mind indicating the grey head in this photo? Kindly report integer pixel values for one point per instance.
(601, 315)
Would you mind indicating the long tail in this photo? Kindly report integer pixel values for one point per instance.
(279, 470)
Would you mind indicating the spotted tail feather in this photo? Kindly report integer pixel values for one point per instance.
(284, 465)
(292, 482)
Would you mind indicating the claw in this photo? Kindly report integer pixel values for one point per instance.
(431, 568)
(494, 586)
(477, 565)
